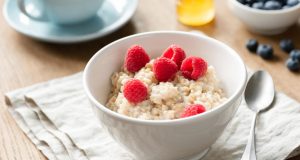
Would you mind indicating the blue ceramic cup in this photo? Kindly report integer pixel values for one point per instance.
(60, 11)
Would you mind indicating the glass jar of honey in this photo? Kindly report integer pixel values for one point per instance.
(195, 12)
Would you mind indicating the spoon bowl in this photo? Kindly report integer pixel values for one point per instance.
(259, 93)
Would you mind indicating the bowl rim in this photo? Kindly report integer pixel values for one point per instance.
(113, 114)
(267, 12)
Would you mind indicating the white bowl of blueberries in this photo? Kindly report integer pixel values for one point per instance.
(268, 17)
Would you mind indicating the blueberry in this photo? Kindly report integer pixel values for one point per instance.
(272, 5)
(292, 2)
(242, 1)
(286, 45)
(250, 1)
(295, 54)
(252, 45)
(265, 51)
(258, 5)
(263, 1)
(293, 65)
(282, 2)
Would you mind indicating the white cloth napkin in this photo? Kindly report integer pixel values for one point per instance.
(57, 117)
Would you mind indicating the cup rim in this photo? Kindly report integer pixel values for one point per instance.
(230, 99)
(267, 12)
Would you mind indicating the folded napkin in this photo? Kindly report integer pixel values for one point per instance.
(57, 117)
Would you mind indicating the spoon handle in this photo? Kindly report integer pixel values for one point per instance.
(249, 153)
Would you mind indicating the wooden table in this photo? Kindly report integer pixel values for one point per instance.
(25, 61)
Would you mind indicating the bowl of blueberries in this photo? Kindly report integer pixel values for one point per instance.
(268, 17)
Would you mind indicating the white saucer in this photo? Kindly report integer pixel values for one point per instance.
(111, 16)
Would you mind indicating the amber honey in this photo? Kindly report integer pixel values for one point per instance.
(195, 12)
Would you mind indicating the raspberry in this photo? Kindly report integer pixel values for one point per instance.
(175, 53)
(135, 91)
(193, 68)
(136, 58)
(164, 69)
(192, 110)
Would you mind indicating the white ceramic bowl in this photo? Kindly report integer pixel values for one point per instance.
(166, 139)
(267, 22)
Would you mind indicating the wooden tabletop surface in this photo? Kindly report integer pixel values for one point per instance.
(25, 61)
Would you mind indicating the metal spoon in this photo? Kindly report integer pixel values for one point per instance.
(259, 95)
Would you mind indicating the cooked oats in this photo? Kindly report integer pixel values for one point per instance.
(166, 99)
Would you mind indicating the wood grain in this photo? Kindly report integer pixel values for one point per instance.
(25, 61)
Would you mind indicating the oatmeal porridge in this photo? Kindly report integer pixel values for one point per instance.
(170, 88)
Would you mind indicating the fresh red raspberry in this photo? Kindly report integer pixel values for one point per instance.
(164, 69)
(193, 68)
(192, 110)
(135, 91)
(136, 58)
(175, 53)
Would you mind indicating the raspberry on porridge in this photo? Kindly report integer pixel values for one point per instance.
(169, 97)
